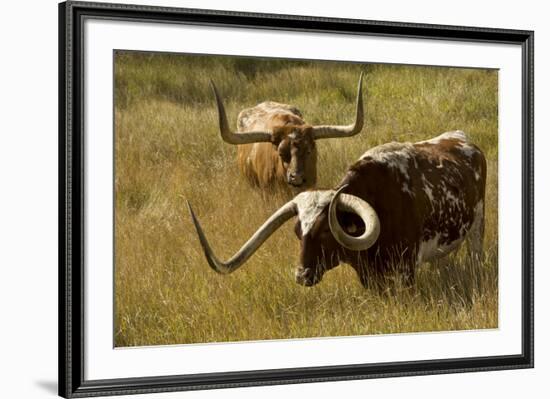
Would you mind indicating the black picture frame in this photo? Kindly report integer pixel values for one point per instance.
(71, 200)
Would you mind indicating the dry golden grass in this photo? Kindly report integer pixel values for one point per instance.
(168, 150)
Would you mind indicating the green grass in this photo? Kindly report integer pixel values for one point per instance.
(168, 150)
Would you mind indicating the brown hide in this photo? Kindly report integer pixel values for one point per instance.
(265, 164)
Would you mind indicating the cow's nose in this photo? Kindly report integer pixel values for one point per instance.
(295, 179)
(304, 276)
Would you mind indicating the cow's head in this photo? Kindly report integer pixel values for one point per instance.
(295, 143)
(329, 224)
(298, 153)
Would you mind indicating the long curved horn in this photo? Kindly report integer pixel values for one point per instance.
(327, 132)
(354, 204)
(236, 138)
(276, 220)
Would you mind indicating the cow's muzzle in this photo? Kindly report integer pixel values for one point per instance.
(306, 276)
(295, 179)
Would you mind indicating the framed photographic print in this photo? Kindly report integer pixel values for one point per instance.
(251, 199)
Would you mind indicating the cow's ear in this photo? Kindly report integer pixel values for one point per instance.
(352, 224)
(308, 132)
(277, 136)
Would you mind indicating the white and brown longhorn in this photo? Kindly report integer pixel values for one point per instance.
(276, 145)
(400, 203)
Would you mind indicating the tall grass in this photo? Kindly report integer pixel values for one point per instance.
(168, 150)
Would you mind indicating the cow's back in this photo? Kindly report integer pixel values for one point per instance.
(266, 115)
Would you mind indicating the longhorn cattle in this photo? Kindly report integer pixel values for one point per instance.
(276, 145)
(399, 204)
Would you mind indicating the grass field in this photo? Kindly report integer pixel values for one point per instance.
(168, 150)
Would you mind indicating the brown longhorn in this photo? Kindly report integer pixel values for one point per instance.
(276, 145)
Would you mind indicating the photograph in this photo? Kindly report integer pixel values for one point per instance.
(262, 198)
